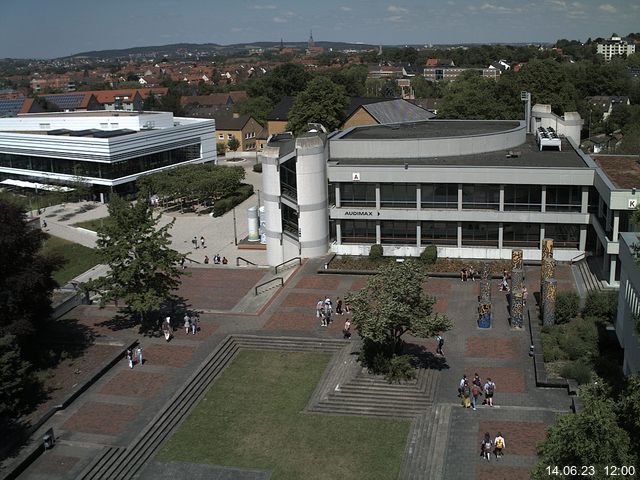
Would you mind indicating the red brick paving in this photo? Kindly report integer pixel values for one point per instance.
(101, 418)
(435, 286)
(319, 282)
(507, 380)
(441, 305)
(358, 283)
(135, 383)
(52, 463)
(218, 288)
(486, 347)
(495, 471)
(292, 321)
(520, 438)
(168, 355)
(307, 300)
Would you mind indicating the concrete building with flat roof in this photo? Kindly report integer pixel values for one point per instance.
(106, 150)
(629, 303)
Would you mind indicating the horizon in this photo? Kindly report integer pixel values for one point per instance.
(69, 27)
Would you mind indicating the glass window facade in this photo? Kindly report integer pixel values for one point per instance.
(564, 235)
(564, 198)
(358, 231)
(481, 197)
(439, 233)
(523, 198)
(521, 235)
(289, 220)
(398, 195)
(358, 195)
(110, 171)
(439, 195)
(480, 234)
(288, 179)
(398, 232)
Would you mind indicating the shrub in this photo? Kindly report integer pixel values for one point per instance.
(567, 307)
(580, 371)
(376, 252)
(400, 368)
(602, 305)
(550, 349)
(574, 347)
(223, 205)
(376, 357)
(221, 149)
(429, 255)
(257, 168)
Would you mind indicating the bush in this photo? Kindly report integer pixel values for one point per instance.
(223, 205)
(603, 305)
(257, 168)
(574, 347)
(550, 349)
(429, 255)
(400, 368)
(376, 357)
(580, 371)
(376, 252)
(221, 149)
(567, 307)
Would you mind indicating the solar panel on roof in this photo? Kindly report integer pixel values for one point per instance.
(72, 100)
(58, 131)
(10, 106)
(113, 133)
(83, 133)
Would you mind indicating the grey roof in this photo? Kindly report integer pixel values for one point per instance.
(528, 156)
(431, 129)
(396, 111)
(10, 107)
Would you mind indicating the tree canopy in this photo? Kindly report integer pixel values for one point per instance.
(321, 102)
(143, 269)
(285, 80)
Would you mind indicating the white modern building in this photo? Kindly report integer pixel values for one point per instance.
(106, 150)
(615, 47)
(629, 303)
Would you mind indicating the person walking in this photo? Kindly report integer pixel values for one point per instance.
(463, 380)
(489, 390)
(319, 308)
(139, 355)
(475, 393)
(194, 324)
(187, 323)
(485, 447)
(346, 331)
(439, 344)
(166, 328)
(129, 358)
(206, 259)
(466, 395)
(195, 242)
(499, 445)
(347, 306)
(328, 309)
(202, 242)
(525, 296)
(339, 307)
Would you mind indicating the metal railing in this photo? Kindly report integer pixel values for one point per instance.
(280, 279)
(248, 262)
(577, 258)
(287, 261)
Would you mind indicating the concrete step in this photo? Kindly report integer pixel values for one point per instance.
(414, 464)
(97, 468)
(333, 409)
(381, 391)
(437, 443)
(361, 401)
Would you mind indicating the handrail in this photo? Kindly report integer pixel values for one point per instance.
(287, 261)
(268, 282)
(583, 255)
(244, 260)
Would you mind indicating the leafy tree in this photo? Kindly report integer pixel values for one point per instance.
(284, 80)
(629, 410)
(233, 144)
(321, 102)
(425, 89)
(257, 107)
(13, 377)
(392, 303)
(143, 268)
(25, 275)
(548, 83)
(221, 149)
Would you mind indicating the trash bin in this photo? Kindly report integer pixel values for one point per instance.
(48, 439)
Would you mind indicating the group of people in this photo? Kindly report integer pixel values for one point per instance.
(194, 241)
(324, 311)
(497, 445)
(134, 357)
(216, 260)
(468, 273)
(190, 323)
(470, 392)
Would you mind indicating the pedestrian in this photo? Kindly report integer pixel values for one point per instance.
(339, 307)
(463, 380)
(466, 395)
(166, 329)
(463, 274)
(216, 259)
(129, 358)
(525, 296)
(206, 260)
(194, 324)
(182, 263)
(328, 309)
(323, 318)
(202, 242)
(224, 260)
(187, 323)
(139, 354)
(485, 447)
(346, 331)
(439, 344)
(347, 306)
(475, 393)
(472, 274)
(500, 445)
(44, 224)
(195, 242)
(319, 308)
(489, 390)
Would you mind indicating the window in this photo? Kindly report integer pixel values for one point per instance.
(480, 234)
(358, 195)
(481, 197)
(289, 221)
(439, 233)
(288, 179)
(521, 235)
(221, 136)
(398, 195)
(45, 126)
(398, 232)
(358, 231)
(443, 195)
(229, 136)
(523, 198)
(564, 198)
(563, 235)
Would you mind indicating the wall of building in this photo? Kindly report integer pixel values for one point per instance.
(628, 304)
(359, 117)
(276, 126)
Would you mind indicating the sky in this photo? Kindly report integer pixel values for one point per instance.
(54, 28)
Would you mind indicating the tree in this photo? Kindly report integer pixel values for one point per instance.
(233, 144)
(13, 377)
(221, 149)
(25, 275)
(321, 102)
(284, 80)
(548, 83)
(392, 303)
(425, 89)
(257, 107)
(143, 269)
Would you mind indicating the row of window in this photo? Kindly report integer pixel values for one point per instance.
(565, 198)
(401, 232)
(113, 170)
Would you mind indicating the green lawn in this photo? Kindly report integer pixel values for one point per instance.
(92, 224)
(79, 258)
(252, 418)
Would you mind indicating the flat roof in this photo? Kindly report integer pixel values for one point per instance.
(622, 170)
(430, 129)
(90, 113)
(528, 155)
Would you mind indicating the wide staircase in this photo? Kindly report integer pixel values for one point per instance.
(590, 280)
(118, 463)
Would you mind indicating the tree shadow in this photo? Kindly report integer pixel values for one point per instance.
(59, 340)
(422, 358)
(608, 363)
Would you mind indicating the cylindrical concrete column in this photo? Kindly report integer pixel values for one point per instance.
(516, 259)
(547, 248)
(549, 302)
(252, 224)
(517, 309)
(517, 279)
(270, 197)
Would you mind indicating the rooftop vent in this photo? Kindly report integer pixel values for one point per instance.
(548, 138)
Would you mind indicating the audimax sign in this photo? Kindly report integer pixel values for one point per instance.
(359, 213)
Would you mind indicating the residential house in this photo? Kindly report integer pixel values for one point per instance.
(615, 47)
(243, 128)
(606, 104)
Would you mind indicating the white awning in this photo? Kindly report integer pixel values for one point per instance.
(37, 186)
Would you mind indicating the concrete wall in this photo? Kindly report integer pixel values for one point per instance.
(359, 117)
(628, 304)
(569, 125)
(271, 201)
